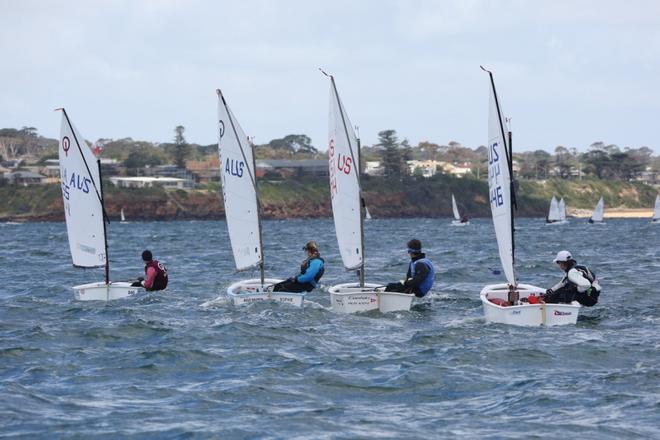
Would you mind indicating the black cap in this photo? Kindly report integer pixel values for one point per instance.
(147, 255)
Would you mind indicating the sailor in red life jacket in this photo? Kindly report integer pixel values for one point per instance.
(155, 272)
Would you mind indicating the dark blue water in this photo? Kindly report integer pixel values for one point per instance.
(162, 366)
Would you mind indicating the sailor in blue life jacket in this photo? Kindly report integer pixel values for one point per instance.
(420, 275)
(579, 284)
(311, 271)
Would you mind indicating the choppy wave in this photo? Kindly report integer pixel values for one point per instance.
(163, 365)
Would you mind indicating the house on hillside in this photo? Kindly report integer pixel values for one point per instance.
(292, 168)
(205, 170)
(25, 178)
(373, 168)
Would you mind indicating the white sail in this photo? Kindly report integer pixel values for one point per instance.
(562, 210)
(455, 208)
(343, 160)
(553, 214)
(597, 215)
(367, 215)
(123, 217)
(83, 208)
(499, 184)
(656, 210)
(238, 188)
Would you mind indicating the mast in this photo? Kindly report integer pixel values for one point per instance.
(252, 179)
(357, 176)
(105, 233)
(363, 206)
(508, 151)
(514, 203)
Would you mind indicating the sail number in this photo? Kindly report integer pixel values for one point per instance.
(343, 164)
(234, 168)
(494, 174)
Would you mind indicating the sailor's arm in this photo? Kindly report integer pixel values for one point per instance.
(311, 272)
(421, 271)
(576, 277)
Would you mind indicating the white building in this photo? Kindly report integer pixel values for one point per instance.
(147, 182)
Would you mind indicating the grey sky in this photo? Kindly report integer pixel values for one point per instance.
(568, 72)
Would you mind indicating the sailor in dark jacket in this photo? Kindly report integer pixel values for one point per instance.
(311, 271)
(579, 283)
(420, 275)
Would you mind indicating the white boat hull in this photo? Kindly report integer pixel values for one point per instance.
(527, 314)
(351, 298)
(459, 223)
(105, 292)
(555, 223)
(251, 291)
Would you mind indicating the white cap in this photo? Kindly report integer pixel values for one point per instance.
(562, 256)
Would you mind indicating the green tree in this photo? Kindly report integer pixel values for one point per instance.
(393, 164)
(181, 147)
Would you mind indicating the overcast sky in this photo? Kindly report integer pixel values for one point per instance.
(568, 72)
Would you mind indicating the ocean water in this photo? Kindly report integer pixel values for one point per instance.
(162, 366)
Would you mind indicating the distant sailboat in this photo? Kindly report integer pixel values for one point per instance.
(599, 211)
(458, 220)
(656, 211)
(557, 212)
(562, 211)
(123, 217)
(82, 192)
(242, 210)
(511, 302)
(346, 196)
(367, 216)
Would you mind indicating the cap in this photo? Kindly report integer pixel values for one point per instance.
(147, 256)
(562, 257)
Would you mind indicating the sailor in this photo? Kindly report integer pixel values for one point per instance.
(579, 284)
(155, 272)
(420, 275)
(311, 271)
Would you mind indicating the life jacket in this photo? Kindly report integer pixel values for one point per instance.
(319, 274)
(160, 282)
(588, 274)
(427, 282)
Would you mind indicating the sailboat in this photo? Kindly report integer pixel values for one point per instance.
(656, 211)
(562, 212)
(242, 210)
(346, 195)
(367, 215)
(599, 210)
(556, 213)
(511, 302)
(82, 193)
(458, 221)
(123, 217)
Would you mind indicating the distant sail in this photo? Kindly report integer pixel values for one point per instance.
(499, 183)
(454, 208)
(599, 211)
(656, 211)
(553, 214)
(343, 160)
(238, 188)
(83, 208)
(562, 210)
(123, 218)
(367, 215)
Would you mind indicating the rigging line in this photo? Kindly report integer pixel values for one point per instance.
(252, 178)
(105, 214)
